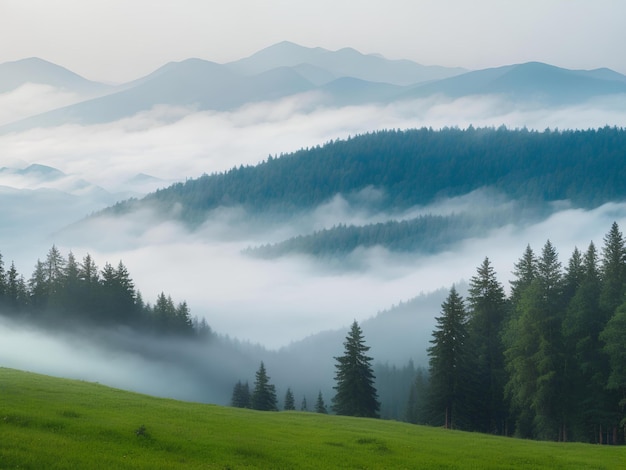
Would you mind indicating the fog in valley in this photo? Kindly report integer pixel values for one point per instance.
(272, 303)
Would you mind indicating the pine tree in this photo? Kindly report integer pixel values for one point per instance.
(320, 406)
(38, 288)
(118, 295)
(613, 271)
(303, 405)
(241, 395)
(584, 361)
(264, 394)
(534, 352)
(355, 391)
(15, 295)
(290, 404)
(487, 310)
(54, 272)
(614, 338)
(416, 403)
(449, 364)
(525, 272)
(3, 280)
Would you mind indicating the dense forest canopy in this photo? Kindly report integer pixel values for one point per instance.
(415, 167)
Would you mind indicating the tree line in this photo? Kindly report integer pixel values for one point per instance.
(423, 234)
(546, 362)
(78, 292)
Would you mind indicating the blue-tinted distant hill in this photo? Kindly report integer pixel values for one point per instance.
(345, 62)
(34, 70)
(339, 78)
(530, 81)
(193, 83)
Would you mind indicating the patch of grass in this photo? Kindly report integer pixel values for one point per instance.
(63, 424)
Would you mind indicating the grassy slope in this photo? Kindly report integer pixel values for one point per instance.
(54, 423)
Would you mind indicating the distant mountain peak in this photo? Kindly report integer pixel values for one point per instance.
(36, 70)
(345, 62)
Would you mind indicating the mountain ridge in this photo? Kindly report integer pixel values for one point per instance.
(16, 73)
(340, 78)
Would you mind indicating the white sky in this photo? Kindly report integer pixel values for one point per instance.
(119, 40)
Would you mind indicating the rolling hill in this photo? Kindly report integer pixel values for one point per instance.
(59, 424)
(526, 82)
(34, 70)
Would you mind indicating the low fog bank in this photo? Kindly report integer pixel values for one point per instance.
(125, 359)
(276, 302)
(296, 307)
(280, 301)
(174, 143)
(34, 98)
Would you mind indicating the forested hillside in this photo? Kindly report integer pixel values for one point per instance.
(388, 173)
(415, 167)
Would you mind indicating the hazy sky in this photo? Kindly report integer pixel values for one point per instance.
(118, 40)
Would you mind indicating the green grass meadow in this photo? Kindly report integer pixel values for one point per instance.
(51, 423)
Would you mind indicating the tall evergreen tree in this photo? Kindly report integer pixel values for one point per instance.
(525, 271)
(118, 295)
(264, 394)
(16, 292)
(417, 401)
(614, 338)
(613, 272)
(38, 287)
(534, 354)
(303, 405)
(583, 359)
(290, 403)
(3, 280)
(449, 364)
(320, 406)
(355, 391)
(487, 310)
(241, 395)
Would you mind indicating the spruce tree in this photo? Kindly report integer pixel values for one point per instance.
(416, 402)
(290, 404)
(525, 272)
(3, 280)
(613, 272)
(449, 364)
(614, 338)
(487, 310)
(241, 395)
(534, 352)
(320, 406)
(584, 361)
(264, 394)
(355, 391)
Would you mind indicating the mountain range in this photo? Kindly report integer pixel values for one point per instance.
(338, 78)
